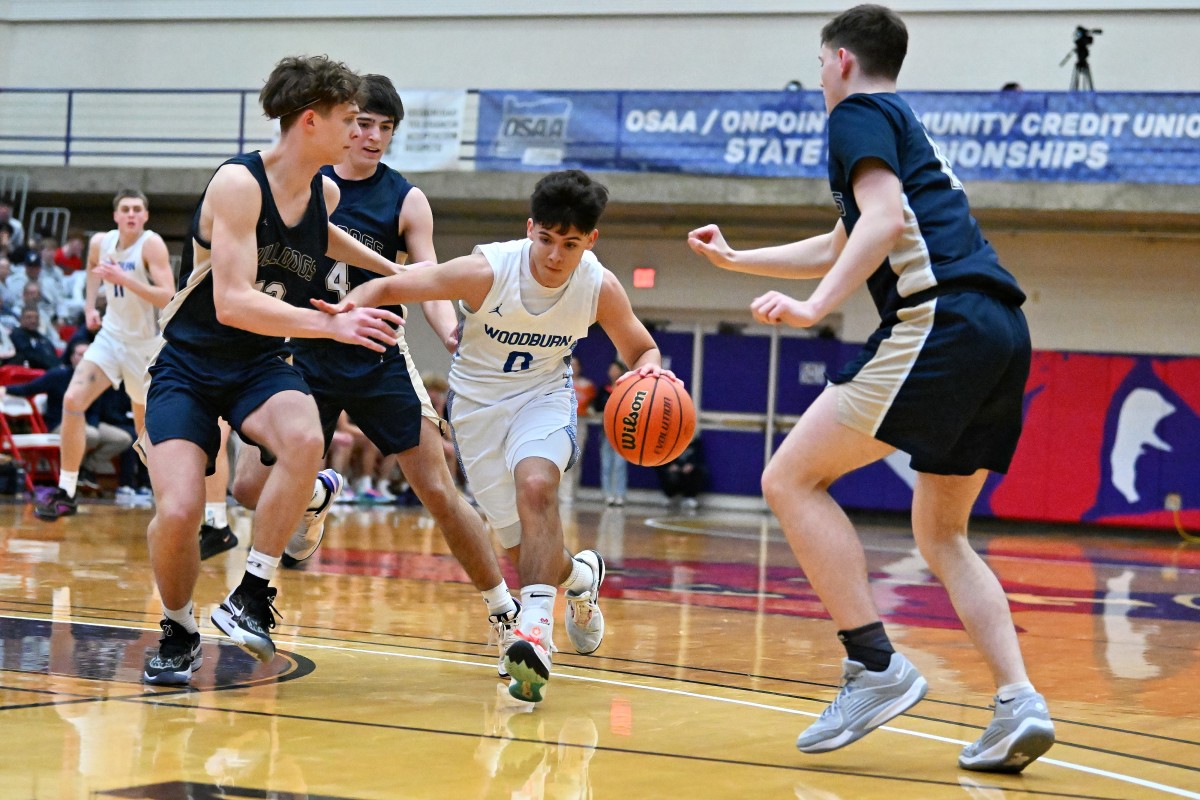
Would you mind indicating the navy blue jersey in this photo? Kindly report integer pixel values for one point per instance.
(370, 212)
(288, 265)
(942, 248)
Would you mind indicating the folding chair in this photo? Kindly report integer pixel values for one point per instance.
(37, 448)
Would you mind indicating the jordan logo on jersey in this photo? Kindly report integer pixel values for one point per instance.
(496, 310)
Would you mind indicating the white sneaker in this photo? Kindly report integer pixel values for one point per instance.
(125, 496)
(311, 531)
(504, 633)
(585, 623)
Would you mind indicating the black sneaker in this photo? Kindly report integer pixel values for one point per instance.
(247, 618)
(214, 541)
(58, 504)
(179, 655)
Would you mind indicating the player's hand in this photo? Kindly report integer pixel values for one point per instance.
(647, 370)
(111, 271)
(91, 318)
(373, 328)
(330, 308)
(710, 243)
(451, 341)
(774, 308)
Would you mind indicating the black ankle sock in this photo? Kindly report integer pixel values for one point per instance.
(253, 583)
(869, 646)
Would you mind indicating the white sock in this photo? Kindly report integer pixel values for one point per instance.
(537, 612)
(499, 600)
(1010, 690)
(319, 496)
(261, 564)
(185, 616)
(215, 515)
(67, 481)
(580, 579)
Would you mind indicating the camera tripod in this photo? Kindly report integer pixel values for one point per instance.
(1081, 75)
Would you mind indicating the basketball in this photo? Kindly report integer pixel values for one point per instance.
(649, 421)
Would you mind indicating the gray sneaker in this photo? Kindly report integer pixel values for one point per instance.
(866, 701)
(585, 623)
(1020, 732)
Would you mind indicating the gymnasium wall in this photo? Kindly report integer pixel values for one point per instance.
(629, 44)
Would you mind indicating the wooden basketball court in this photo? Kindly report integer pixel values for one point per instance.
(717, 654)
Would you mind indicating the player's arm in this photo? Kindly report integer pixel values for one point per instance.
(158, 264)
(344, 247)
(468, 278)
(91, 316)
(807, 258)
(634, 343)
(877, 191)
(234, 202)
(416, 224)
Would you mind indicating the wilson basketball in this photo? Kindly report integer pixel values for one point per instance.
(649, 421)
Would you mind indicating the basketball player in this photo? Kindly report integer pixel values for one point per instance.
(513, 408)
(136, 267)
(384, 396)
(254, 248)
(942, 380)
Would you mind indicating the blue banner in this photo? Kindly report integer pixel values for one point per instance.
(986, 136)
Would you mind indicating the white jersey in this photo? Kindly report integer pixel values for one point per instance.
(128, 317)
(504, 350)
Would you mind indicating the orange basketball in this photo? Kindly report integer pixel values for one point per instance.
(649, 421)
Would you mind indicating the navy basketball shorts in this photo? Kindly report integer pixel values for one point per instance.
(384, 397)
(944, 382)
(189, 391)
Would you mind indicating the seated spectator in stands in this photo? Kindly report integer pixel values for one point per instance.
(15, 255)
(105, 441)
(684, 478)
(11, 224)
(8, 300)
(133, 479)
(50, 282)
(70, 256)
(7, 349)
(33, 349)
(31, 295)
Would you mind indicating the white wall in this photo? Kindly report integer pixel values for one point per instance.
(59, 43)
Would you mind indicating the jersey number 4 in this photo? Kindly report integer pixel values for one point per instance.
(338, 280)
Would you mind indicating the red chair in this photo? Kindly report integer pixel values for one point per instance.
(33, 445)
(12, 374)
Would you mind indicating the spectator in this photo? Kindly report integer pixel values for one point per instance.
(70, 256)
(12, 252)
(614, 473)
(1011, 86)
(7, 349)
(52, 289)
(32, 348)
(685, 477)
(31, 296)
(7, 298)
(12, 224)
(105, 441)
(585, 393)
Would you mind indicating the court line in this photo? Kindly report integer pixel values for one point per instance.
(663, 665)
(666, 690)
(610, 749)
(682, 693)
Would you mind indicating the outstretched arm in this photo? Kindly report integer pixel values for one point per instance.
(807, 258)
(468, 278)
(877, 191)
(416, 225)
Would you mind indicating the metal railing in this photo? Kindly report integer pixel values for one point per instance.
(134, 127)
(89, 126)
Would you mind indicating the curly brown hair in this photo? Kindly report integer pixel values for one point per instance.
(301, 82)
